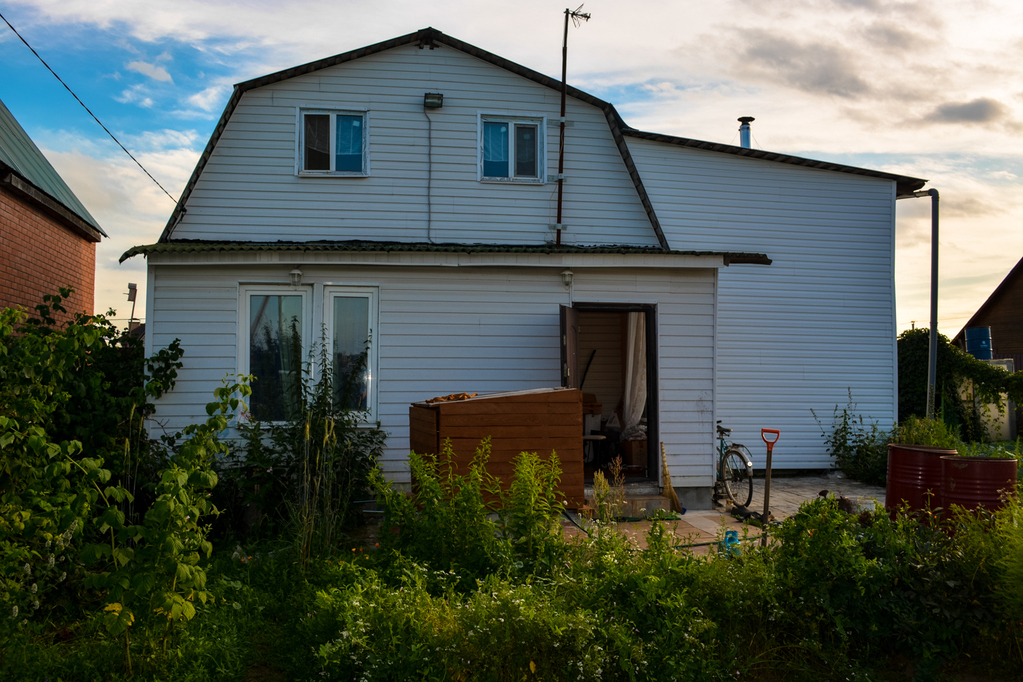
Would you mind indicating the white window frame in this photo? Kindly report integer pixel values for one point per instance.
(372, 295)
(540, 121)
(245, 292)
(301, 113)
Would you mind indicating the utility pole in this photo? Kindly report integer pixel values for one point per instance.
(932, 349)
(576, 16)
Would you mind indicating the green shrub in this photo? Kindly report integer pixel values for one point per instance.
(301, 477)
(366, 630)
(445, 522)
(933, 433)
(859, 449)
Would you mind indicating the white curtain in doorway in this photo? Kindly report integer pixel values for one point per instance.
(635, 369)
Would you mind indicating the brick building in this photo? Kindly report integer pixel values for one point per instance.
(47, 237)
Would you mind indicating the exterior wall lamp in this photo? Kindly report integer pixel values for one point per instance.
(566, 277)
(296, 277)
(433, 100)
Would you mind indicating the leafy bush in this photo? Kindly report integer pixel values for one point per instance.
(858, 448)
(954, 368)
(367, 630)
(467, 524)
(302, 476)
(933, 433)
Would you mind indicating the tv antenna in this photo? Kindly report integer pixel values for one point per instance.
(577, 18)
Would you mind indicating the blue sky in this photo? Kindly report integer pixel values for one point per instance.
(932, 90)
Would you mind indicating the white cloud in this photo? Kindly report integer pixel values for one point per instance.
(127, 205)
(210, 98)
(157, 73)
(136, 94)
(822, 77)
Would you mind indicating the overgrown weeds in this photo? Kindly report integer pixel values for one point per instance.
(302, 476)
(473, 579)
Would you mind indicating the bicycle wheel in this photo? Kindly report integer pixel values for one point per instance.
(737, 474)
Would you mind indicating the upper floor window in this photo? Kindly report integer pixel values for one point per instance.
(333, 142)
(511, 148)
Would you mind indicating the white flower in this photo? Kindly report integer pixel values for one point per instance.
(27, 569)
(14, 611)
(35, 588)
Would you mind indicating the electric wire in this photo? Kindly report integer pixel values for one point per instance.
(87, 108)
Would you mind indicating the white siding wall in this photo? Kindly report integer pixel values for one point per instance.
(813, 327)
(249, 190)
(447, 330)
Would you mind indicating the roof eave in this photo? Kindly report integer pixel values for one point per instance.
(904, 184)
(1017, 271)
(197, 246)
(15, 182)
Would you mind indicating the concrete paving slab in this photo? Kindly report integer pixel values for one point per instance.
(787, 494)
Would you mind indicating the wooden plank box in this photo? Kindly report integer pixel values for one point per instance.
(537, 420)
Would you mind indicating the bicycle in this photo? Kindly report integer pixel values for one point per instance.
(735, 469)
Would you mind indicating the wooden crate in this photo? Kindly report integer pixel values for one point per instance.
(538, 420)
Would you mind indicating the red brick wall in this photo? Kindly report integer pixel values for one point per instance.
(38, 255)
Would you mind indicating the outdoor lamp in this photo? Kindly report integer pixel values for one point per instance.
(296, 277)
(433, 100)
(566, 277)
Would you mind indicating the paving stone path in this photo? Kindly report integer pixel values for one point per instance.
(787, 493)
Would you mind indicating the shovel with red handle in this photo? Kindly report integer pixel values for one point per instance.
(767, 480)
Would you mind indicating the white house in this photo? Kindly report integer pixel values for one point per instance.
(406, 193)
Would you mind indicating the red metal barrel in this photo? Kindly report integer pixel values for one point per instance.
(914, 475)
(973, 482)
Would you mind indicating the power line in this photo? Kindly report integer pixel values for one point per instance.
(87, 109)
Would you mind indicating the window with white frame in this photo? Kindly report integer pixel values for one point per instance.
(275, 324)
(333, 142)
(349, 316)
(511, 148)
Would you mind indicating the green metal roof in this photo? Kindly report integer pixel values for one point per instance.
(394, 247)
(20, 154)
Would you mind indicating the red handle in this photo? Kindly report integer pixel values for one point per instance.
(764, 432)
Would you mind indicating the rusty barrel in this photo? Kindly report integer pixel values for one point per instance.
(914, 475)
(973, 482)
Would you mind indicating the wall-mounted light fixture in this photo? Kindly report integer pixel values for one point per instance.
(296, 277)
(433, 100)
(566, 277)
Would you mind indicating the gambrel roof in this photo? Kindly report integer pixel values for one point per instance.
(431, 38)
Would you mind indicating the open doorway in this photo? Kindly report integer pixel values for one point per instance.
(609, 352)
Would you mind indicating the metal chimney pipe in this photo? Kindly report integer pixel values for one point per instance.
(744, 134)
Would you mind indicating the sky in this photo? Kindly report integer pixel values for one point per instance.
(932, 90)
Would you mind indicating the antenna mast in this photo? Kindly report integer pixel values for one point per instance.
(576, 17)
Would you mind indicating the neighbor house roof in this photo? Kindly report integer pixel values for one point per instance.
(24, 168)
(1014, 278)
(619, 129)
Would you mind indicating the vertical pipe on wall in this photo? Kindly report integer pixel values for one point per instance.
(932, 352)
